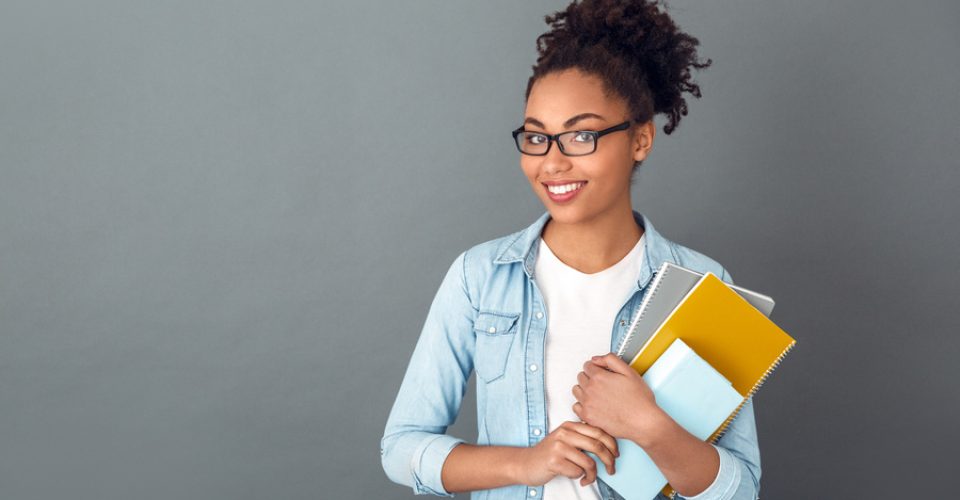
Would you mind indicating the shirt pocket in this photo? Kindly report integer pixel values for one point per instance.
(495, 334)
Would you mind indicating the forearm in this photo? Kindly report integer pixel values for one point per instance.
(689, 464)
(473, 467)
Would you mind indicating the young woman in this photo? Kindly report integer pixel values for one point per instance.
(537, 313)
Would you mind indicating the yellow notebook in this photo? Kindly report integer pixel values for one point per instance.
(726, 331)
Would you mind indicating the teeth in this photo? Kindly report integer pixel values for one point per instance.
(566, 188)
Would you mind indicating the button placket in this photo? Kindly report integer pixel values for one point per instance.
(537, 419)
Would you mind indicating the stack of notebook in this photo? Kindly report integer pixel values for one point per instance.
(704, 348)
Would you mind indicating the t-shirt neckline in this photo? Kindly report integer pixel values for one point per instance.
(619, 265)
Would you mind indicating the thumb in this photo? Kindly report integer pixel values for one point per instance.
(613, 363)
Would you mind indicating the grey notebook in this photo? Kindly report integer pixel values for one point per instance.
(670, 285)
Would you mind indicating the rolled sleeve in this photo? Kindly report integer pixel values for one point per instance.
(426, 451)
(728, 477)
(426, 472)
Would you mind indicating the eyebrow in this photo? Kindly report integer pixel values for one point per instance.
(567, 124)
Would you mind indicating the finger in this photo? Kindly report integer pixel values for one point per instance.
(582, 378)
(570, 469)
(597, 433)
(593, 445)
(589, 361)
(577, 392)
(586, 463)
(613, 363)
(591, 368)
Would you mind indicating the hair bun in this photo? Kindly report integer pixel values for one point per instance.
(638, 44)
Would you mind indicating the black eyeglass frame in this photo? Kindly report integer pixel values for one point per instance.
(597, 134)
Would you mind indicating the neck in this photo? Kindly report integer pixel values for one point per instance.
(593, 245)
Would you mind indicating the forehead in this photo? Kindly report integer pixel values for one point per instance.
(557, 96)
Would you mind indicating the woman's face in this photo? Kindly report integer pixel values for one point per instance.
(573, 100)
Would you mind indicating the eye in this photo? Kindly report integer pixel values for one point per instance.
(535, 138)
(583, 137)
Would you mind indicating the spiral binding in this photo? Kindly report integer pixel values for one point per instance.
(719, 433)
(654, 287)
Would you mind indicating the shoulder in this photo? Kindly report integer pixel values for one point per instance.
(485, 259)
(696, 260)
(481, 257)
(663, 249)
(485, 253)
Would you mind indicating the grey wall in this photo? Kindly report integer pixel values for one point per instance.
(222, 224)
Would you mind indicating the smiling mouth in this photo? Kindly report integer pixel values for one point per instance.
(564, 188)
(564, 193)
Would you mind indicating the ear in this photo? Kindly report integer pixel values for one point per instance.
(643, 140)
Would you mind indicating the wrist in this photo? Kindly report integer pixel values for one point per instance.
(655, 426)
(517, 466)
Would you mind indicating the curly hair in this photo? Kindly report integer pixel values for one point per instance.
(637, 50)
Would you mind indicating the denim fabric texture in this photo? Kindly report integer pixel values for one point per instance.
(488, 316)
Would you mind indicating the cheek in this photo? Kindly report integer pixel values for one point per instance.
(529, 170)
(614, 169)
(598, 169)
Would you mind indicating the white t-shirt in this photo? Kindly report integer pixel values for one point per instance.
(581, 310)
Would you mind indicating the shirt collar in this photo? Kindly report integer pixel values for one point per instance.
(523, 248)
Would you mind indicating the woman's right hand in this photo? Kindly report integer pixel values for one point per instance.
(560, 453)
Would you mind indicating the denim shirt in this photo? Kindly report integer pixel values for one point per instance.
(489, 316)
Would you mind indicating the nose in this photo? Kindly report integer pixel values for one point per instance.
(555, 162)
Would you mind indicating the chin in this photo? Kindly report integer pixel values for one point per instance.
(567, 215)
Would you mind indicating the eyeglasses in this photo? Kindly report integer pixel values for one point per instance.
(572, 143)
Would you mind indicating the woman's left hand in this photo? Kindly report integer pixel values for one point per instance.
(614, 397)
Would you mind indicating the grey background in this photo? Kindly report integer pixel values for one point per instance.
(222, 224)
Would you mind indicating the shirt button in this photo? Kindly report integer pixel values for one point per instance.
(539, 315)
(533, 493)
(622, 322)
(492, 329)
(536, 432)
(533, 368)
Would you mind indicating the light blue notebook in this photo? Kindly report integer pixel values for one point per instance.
(694, 394)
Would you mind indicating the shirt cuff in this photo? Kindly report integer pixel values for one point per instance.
(428, 464)
(728, 477)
